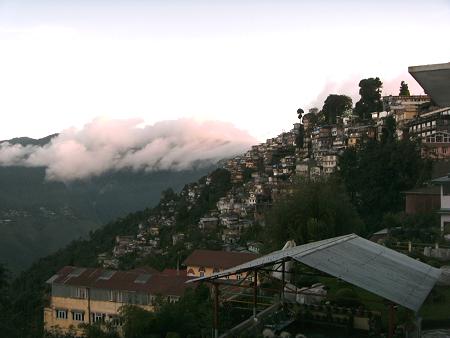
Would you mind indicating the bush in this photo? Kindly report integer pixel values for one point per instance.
(347, 297)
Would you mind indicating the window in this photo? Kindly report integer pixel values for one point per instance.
(98, 317)
(61, 314)
(173, 299)
(115, 320)
(446, 189)
(80, 293)
(115, 296)
(78, 316)
(238, 276)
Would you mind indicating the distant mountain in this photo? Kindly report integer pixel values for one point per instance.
(38, 217)
(25, 141)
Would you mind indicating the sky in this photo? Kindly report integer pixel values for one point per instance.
(248, 63)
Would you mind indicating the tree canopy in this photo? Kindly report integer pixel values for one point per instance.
(404, 90)
(316, 210)
(335, 105)
(376, 173)
(370, 91)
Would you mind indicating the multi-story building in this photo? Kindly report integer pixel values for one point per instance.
(405, 108)
(90, 295)
(433, 128)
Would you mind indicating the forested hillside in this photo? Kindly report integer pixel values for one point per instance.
(38, 216)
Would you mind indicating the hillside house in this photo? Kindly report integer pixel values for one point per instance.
(444, 210)
(206, 262)
(433, 128)
(208, 223)
(420, 200)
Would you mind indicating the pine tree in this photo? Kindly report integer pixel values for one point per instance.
(404, 90)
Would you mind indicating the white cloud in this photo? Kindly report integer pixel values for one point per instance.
(106, 144)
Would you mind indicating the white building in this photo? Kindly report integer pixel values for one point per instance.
(444, 211)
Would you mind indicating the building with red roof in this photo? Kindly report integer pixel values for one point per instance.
(202, 263)
(90, 295)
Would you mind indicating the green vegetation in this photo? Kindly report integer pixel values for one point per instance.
(370, 91)
(192, 315)
(316, 210)
(335, 105)
(376, 173)
(404, 90)
(45, 216)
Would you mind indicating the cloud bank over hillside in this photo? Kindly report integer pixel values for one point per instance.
(105, 144)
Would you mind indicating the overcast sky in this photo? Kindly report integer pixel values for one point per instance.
(248, 62)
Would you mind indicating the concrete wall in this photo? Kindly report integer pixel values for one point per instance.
(110, 309)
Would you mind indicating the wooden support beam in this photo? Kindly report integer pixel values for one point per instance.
(216, 310)
(283, 267)
(391, 320)
(255, 292)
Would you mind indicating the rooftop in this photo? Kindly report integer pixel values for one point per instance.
(373, 267)
(428, 190)
(139, 280)
(218, 259)
(435, 80)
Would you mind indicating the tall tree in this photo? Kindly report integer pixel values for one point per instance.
(301, 130)
(6, 329)
(370, 91)
(389, 129)
(376, 174)
(300, 113)
(404, 90)
(316, 210)
(335, 105)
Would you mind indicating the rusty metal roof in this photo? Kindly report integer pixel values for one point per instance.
(139, 280)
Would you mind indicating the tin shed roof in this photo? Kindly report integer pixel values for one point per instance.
(370, 266)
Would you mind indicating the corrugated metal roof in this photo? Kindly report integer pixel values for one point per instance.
(155, 283)
(370, 266)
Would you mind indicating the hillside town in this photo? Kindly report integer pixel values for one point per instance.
(267, 171)
(207, 228)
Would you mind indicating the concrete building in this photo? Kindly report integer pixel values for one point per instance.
(433, 128)
(90, 295)
(444, 211)
(434, 79)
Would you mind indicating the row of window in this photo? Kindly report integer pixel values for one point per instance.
(116, 296)
(64, 314)
(423, 126)
(438, 138)
(96, 317)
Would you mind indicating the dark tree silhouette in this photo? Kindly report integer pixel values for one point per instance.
(335, 105)
(370, 91)
(404, 90)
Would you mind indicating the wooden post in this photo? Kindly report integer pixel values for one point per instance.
(391, 321)
(216, 310)
(282, 281)
(88, 294)
(255, 292)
